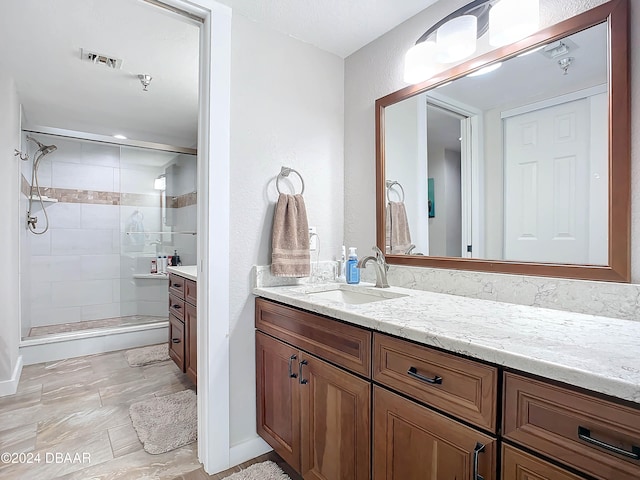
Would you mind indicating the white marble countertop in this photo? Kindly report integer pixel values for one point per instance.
(598, 353)
(186, 271)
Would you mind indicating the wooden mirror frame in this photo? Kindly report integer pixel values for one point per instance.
(615, 13)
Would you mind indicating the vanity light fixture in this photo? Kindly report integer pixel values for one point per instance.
(454, 37)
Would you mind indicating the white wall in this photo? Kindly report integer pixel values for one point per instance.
(405, 142)
(9, 233)
(376, 70)
(286, 110)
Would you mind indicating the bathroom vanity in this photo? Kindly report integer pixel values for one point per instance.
(355, 382)
(183, 320)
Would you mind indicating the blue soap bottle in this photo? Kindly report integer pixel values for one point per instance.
(353, 272)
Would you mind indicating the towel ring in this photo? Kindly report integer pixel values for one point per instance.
(390, 184)
(284, 172)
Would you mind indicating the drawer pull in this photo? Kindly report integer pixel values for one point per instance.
(476, 452)
(413, 371)
(175, 340)
(300, 365)
(585, 434)
(291, 374)
(177, 285)
(176, 306)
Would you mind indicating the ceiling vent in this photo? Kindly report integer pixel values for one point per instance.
(100, 59)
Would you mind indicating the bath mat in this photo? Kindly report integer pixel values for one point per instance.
(260, 471)
(166, 423)
(147, 355)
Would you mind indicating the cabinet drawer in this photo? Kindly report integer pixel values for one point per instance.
(461, 387)
(176, 341)
(176, 306)
(190, 292)
(517, 465)
(577, 429)
(176, 285)
(344, 345)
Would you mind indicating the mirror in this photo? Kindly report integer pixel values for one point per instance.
(517, 161)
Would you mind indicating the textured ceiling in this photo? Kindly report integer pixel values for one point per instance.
(337, 26)
(40, 44)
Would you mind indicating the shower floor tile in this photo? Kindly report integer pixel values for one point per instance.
(94, 324)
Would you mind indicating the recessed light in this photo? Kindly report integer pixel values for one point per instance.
(120, 137)
(485, 70)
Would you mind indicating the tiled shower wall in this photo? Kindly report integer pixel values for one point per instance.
(83, 267)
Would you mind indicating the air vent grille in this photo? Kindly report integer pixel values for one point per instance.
(100, 59)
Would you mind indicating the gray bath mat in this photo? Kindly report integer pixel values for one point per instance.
(260, 471)
(147, 355)
(166, 423)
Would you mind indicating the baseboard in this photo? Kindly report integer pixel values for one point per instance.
(247, 450)
(9, 387)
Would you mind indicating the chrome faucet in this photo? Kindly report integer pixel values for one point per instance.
(380, 264)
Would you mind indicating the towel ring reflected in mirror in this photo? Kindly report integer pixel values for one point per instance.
(284, 172)
(390, 185)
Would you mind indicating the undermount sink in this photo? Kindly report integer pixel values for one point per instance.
(352, 297)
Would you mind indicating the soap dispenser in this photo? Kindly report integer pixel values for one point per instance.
(353, 272)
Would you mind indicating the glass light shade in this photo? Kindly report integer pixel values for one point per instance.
(160, 183)
(419, 62)
(513, 20)
(456, 39)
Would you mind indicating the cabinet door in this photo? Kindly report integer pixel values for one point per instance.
(517, 465)
(336, 425)
(277, 394)
(412, 442)
(191, 338)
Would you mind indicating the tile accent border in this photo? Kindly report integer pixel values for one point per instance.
(67, 195)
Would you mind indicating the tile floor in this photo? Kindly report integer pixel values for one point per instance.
(81, 406)
(94, 324)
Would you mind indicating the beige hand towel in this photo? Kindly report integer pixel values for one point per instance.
(290, 242)
(398, 235)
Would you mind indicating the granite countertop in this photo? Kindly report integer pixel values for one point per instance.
(186, 271)
(597, 353)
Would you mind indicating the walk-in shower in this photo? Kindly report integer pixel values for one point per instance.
(87, 273)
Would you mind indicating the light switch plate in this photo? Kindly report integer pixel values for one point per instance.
(313, 239)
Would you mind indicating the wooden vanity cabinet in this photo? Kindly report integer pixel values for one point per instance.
(183, 324)
(315, 415)
(412, 441)
(585, 432)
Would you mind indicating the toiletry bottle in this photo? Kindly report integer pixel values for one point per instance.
(164, 264)
(176, 259)
(154, 266)
(342, 266)
(353, 272)
(159, 264)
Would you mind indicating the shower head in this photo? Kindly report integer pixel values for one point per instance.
(43, 149)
